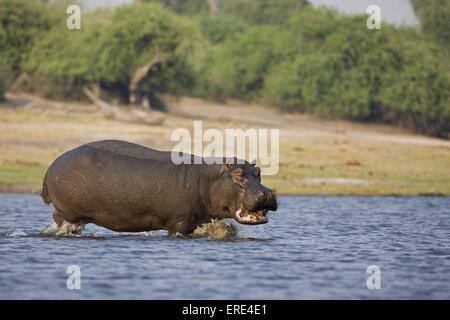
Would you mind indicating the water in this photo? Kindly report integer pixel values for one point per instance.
(313, 247)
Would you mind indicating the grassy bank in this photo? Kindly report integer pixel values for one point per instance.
(316, 156)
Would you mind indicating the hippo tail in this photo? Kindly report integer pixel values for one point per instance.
(44, 192)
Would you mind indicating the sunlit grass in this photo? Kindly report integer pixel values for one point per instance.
(21, 177)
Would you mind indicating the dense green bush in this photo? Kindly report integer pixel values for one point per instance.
(415, 94)
(216, 30)
(418, 95)
(237, 67)
(107, 51)
(250, 11)
(351, 72)
(262, 11)
(434, 16)
(21, 24)
(339, 72)
(186, 7)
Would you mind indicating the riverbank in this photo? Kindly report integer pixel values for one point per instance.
(317, 156)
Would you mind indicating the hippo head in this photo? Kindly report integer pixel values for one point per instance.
(239, 194)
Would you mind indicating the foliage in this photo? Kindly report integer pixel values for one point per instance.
(434, 16)
(262, 11)
(218, 29)
(250, 11)
(237, 67)
(186, 7)
(22, 22)
(108, 51)
(350, 72)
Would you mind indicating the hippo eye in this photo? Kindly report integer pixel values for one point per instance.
(238, 172)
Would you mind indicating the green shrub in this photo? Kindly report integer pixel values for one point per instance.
(22, 22)
(186, 7)
(108, 51)
(250, 11)
(347, 71)
(262, 11)
(434, 16)
(218, 29)
(418, 96)
(339, 72)
(237, 67)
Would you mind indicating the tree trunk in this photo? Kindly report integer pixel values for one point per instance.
(214, 7)
(135, 96)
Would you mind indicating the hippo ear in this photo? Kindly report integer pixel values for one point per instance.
(227, 166)
(224, 168)
(229, 162)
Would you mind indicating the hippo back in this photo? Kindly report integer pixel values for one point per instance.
(130, 149)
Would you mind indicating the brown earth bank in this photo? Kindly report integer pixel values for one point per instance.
(322, 157)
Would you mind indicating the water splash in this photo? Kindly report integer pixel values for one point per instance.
(65, 229)
(18, 233)
(216, 229)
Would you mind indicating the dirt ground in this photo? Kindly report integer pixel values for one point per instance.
(316, 156)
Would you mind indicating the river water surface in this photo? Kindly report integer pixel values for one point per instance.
(313, 247)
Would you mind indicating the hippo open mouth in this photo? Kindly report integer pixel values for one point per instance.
(251, 217)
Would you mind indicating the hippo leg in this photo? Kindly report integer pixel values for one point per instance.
(62, 227)
(58, 217)
(181, 227)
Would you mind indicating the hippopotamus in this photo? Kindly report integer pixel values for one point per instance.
(127, 187)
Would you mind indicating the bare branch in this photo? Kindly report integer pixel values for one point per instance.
(130, 115)
(139, 75)
(214, 7)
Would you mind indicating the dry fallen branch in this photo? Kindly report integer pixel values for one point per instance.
(132, 115)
